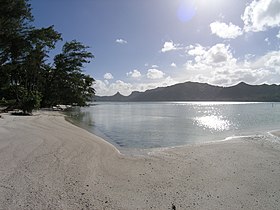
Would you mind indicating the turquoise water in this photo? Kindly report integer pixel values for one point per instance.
(164, 124)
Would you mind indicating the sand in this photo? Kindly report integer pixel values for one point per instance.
(48, 163)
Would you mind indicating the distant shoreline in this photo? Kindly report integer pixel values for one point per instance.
(194, 91)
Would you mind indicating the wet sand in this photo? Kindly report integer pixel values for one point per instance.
(48, 163)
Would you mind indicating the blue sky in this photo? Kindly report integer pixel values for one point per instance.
(139, 45)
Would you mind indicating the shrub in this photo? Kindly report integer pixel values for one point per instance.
(29, 101)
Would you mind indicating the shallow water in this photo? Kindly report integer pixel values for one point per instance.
(165, 124)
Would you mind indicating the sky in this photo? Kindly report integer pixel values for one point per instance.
(143, 44)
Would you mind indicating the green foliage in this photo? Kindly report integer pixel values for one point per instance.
(25, 78)
(3, 102)
(66, 82)
(15, 19)
(29, 101)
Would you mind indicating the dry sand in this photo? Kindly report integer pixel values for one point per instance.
(48, 163)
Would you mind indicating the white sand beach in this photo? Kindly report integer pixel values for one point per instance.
(48, 163)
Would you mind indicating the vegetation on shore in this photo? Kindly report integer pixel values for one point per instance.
(27, 80)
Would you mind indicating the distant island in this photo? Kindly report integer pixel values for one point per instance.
(194, 91)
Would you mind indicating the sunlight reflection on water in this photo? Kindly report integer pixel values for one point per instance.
(213, 122)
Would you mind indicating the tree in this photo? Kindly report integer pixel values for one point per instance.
(40, 41)
(67, 84)
(15, 18)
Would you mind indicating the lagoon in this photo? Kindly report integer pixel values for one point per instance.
(145, 125)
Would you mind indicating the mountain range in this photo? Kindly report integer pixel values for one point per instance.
(194, 91)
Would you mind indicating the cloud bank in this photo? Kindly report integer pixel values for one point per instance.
(217, 65)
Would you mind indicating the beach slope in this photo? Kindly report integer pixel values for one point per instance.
(48, 163)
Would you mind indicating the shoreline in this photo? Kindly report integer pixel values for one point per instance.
(48, 163)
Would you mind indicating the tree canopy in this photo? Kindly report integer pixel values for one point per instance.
(27, 81)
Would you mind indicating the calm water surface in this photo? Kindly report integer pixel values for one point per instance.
(163, 124)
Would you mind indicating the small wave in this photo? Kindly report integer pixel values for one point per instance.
(266, 139)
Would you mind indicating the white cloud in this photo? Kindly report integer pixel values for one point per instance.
(225, 31)
(123, 87)
(262, 14)
(151, 85)
(106, 82)
(219, 53)
(134, 74)
(167, 82)
(155, 66)
(108, 76)
(173, 65)
(121, 41)
(216, 55)
(271, 61)
(169, 46)
(101, 88)
(155, 74)
(196, 50)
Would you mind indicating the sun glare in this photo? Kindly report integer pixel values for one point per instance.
(209, 4)
(186, 11)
